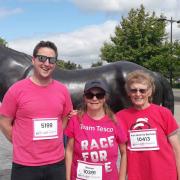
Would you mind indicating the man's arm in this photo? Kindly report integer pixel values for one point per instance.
(6, 127)
(66, 118)
(69, 157)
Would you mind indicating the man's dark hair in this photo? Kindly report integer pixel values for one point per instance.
(47, 44)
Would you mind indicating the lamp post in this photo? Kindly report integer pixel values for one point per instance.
(171, 22)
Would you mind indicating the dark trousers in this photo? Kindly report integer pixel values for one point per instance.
(47, 172)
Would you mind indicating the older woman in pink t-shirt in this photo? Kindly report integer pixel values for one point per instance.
(153, 148)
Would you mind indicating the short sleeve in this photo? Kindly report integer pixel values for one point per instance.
(9, 104)
(120, 134)
(68, 103)
(171, 124)
(69, 131)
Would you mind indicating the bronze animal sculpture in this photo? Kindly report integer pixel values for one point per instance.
(15, 65)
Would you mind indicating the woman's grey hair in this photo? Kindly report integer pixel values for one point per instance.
(140, 76)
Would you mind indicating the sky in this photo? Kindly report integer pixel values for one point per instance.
(78, 27)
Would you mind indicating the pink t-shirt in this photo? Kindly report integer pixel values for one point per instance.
(96, 142)
(37, 126)
(150, 155)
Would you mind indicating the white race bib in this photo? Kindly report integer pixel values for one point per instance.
(89, 171)
(143, 140)
(45, 128)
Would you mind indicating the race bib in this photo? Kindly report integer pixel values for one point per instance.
(89, 171)
(143, 140)
(45, 128)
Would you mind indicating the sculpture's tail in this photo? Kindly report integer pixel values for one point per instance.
(168, 96)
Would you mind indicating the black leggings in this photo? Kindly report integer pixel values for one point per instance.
(47, 172)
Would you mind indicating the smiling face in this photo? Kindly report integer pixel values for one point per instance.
(140, 88)
(139, 94)
(95, 99)
(43, 70)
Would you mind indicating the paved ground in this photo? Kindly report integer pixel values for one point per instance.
(6, 148)
(177, 104)
(5, 158)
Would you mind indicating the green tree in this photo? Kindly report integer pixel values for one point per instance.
(3, 42)
(176, 58)
(142, 39)
(68, 65)
(167, 62)
(99, 63)
(137, 38)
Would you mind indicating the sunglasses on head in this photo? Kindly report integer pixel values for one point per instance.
(90, 95)
(142, 91)
(41, 58)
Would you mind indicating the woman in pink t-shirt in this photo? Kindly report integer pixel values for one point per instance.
(153, 149)
(94, 137)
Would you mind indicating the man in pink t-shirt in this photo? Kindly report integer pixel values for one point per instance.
(32, 117)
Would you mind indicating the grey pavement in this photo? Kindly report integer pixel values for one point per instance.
(6, 147)
(177, 104)
(5, 158)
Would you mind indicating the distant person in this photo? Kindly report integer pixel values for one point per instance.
(32, 117)
(153, 149)
(94, 137)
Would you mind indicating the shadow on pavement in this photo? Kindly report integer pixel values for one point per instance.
(5, 174)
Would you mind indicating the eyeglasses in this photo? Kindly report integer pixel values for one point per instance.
(142, 91)
(90, 95)
(41, 58)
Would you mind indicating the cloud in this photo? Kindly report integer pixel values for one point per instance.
(100, 5)
(160, 7)
(4, 12)
(81, 46)
(175, 31)
(122, 6)
(53, 1)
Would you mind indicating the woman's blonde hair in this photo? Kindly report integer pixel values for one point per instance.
(140, 76)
